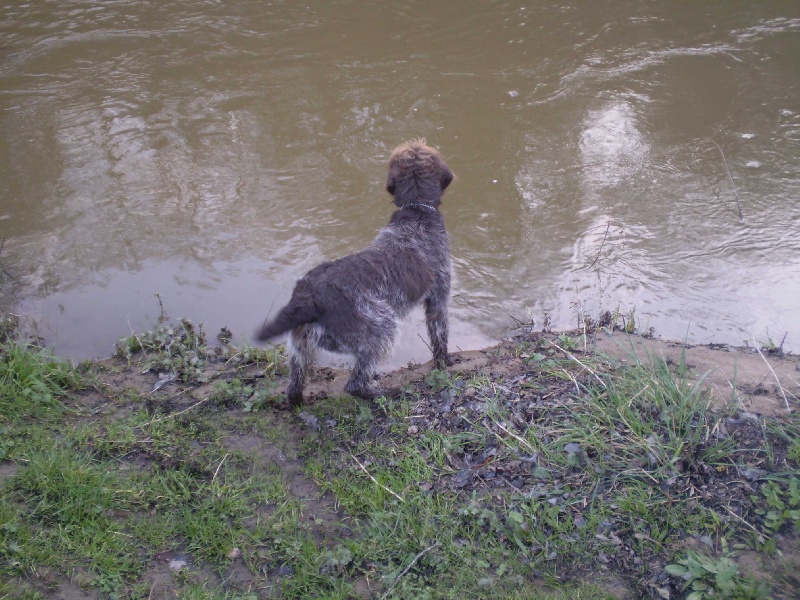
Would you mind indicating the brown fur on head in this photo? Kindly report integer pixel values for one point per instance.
(417, 174)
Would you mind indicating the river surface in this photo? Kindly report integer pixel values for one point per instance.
(633, 155)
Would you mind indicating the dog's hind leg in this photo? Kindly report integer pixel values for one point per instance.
(370, 338)
(436, 320)
(302, 344)
(360, 379)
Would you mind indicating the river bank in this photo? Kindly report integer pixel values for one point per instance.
(553, 465)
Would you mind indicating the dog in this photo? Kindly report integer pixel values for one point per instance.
(353, 305)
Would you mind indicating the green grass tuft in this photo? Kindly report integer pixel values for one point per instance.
(31, 382)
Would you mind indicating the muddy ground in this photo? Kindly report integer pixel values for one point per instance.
(761, 381)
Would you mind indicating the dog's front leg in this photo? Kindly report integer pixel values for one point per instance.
(436, 320)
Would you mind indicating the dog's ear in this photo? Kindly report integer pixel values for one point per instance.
(391, 182)
(447, 176)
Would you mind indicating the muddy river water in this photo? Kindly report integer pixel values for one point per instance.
(609, 154)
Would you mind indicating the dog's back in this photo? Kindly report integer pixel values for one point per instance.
(396, 271)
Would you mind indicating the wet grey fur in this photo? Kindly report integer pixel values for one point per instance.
(353, 305)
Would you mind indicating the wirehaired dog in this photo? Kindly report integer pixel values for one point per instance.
(353, 305)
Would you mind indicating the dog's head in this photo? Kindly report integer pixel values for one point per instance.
(417, 175)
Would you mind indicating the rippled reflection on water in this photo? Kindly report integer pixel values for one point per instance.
(212, 152)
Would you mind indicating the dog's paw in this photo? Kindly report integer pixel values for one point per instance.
(442, 362)
(368, 393)
(293, 401)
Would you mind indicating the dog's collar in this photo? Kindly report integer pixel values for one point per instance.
(422, 204)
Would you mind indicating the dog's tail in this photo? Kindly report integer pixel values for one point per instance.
(299, 311)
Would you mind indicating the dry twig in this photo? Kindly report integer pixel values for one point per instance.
(407, 569)
(375, 481)
(580, 363)
(603, 243)
(521, 440)
(219, 466)
(171, 415)
(727, 170)
(771, 370)
(742, 520)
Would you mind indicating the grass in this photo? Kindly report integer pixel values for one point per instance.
(569, 477)
(31, 382)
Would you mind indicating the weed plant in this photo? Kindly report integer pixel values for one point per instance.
(179, 348)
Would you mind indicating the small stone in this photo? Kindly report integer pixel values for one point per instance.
(234, 553)
(310, 420)
(413, 430)
(178, 564)
(753, 473)
(663, 593)
(540, 473)
(284, 571)
(461, 479)
(744, 417)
